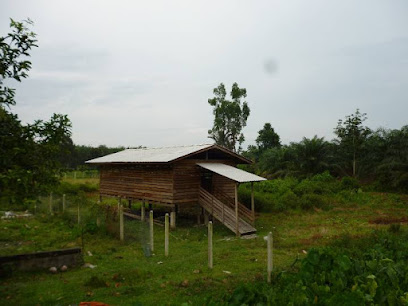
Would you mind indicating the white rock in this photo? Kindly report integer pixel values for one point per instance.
(88, 265)
(53, 270)
(64, 268)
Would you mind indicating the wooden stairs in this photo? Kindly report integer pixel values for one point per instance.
(224, 213)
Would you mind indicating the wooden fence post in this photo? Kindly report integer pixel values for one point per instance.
(166, 235)
(270, 255)
(50, 204)
(173, 220)
(151, 232)
(63, 202)
(210, 245)
(121, 228)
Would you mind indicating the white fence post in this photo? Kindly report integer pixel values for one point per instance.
(270, 256)
(151, 232)
(210, 245)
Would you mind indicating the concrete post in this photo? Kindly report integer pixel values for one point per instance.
(270, 256)
(210, 245)
(151, 232)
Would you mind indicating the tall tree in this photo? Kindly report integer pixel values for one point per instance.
(29, 154)
(267, 138)
(312, 155)
(352, 135)
(230, 116)
(14, 49)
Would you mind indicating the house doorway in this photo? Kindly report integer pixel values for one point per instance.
(206, 180)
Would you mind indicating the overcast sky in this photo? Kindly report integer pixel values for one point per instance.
(140, 72)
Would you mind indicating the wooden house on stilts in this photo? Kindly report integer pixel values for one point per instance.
(201, 177)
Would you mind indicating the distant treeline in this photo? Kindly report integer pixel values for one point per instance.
(76, 155)
(378, 157)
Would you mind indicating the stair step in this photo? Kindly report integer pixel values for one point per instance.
(223, 213)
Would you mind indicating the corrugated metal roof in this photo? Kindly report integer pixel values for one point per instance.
(149, 155)
(232, 173)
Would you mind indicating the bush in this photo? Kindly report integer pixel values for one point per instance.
(349, 182)
(370, 271)
(289, 200)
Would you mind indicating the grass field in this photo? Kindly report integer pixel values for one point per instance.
(125, 276)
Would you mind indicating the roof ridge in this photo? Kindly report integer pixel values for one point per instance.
(182, 146)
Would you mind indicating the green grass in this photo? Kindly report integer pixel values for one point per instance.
(124, 276)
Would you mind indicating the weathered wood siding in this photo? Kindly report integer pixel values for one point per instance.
(150, 182)
(176, 183)
(224, 185)
(187, 180)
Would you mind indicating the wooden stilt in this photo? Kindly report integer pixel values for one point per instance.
(166, 235)
(142, 211)
(173, 220)
(206, 217)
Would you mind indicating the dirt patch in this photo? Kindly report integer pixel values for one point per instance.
(312, 240)
(346, 208)
(388, 220)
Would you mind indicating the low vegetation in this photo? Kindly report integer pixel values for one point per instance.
(357, 225)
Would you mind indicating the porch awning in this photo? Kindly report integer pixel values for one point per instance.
(232, 173)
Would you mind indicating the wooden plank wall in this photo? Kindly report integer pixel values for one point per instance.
(187, 180)
(150, 182)
(224, 185)
(176, 183)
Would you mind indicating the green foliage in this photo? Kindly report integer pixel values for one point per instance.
(267, 138)
(230, 116)
(370, 271)
(303, 159)
(352, 136)
(349, 182)
(319, 191)
(29, 154)
(13, 49)
(80, 154)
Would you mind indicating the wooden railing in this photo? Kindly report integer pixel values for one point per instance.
(223, 212)
(242, 209)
